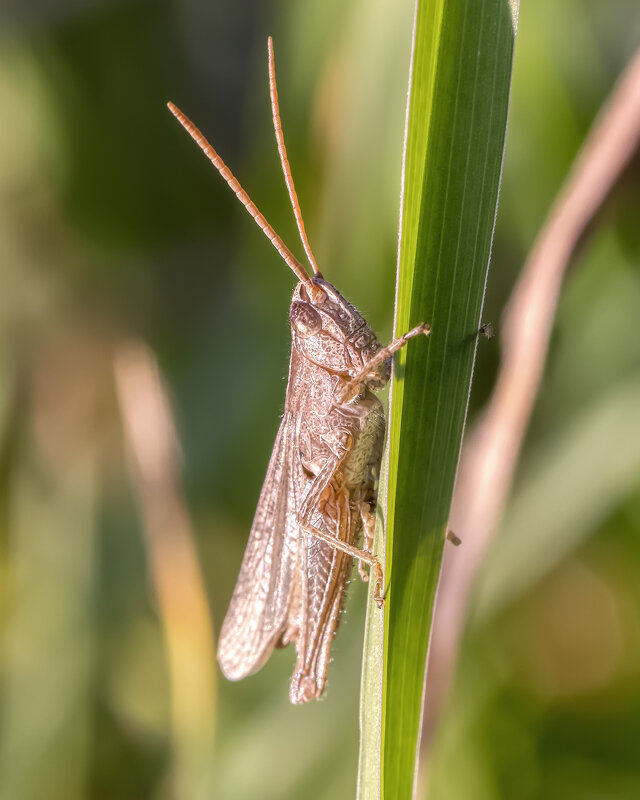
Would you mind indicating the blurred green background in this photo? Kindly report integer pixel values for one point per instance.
(113, 227)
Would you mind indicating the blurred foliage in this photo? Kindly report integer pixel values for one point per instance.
(113, 226)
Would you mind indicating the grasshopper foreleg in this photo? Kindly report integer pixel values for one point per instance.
(351, 388)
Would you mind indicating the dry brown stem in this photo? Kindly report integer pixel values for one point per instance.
(173, 562)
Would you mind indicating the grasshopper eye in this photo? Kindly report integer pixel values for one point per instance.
(305, 320)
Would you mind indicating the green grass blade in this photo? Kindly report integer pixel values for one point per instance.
(461, 72)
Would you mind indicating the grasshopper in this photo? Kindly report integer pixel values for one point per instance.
(319, 492)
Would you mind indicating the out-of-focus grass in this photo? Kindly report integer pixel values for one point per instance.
(112, 225)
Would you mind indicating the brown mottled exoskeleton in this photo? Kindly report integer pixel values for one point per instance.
(319, 493)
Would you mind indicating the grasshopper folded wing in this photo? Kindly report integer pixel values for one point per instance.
(260, 610)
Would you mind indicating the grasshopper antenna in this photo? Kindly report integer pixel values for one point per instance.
(286, 168)
(293, 263)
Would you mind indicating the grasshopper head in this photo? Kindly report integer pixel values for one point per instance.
(331, 333)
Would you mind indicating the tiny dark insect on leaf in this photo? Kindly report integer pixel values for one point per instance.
(320, 491)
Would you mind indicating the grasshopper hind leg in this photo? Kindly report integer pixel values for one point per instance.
(314, 644)
(355, 552)
(324, 582)
(309, 679)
